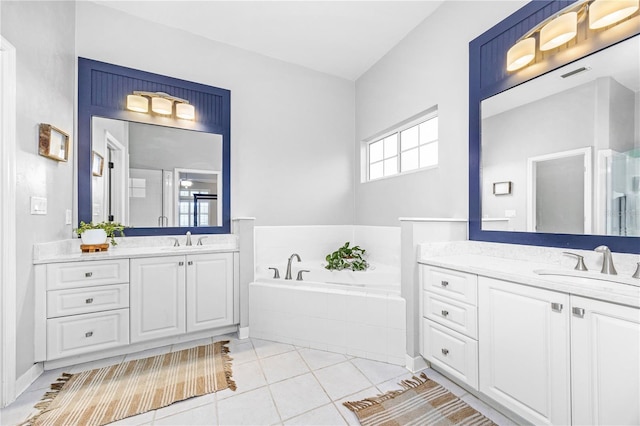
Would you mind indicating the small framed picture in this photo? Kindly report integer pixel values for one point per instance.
(53, 143)
(502, 188)
(97, 164)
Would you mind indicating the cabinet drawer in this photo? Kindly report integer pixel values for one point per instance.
(454, 284)
(84, 300)
(79, 334)
(456, 315)
(453, 352)
(83, 274)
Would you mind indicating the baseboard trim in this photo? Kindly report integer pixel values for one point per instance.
(415, 364)
(24, 381)
(243, 332)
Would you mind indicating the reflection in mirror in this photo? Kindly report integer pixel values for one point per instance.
(156, 176)
(569, 141)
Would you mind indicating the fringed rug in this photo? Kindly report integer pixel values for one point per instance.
(421, 402)
(104, 395)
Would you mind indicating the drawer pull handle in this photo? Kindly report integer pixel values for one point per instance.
(556, 307)
(89, 300)
(88, 334)
(444, 283)
(88, 274)
(578, 312)
(190, 262)
(445, 313)
(180, 263)
(445, 352)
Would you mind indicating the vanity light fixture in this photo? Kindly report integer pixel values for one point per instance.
(559, 31)
(603, 13)
(563, 27)
(161, 103)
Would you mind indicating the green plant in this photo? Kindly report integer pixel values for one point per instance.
(347, 258)
(112, 229)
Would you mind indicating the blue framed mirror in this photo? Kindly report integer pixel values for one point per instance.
(164, 142)
(531, 126)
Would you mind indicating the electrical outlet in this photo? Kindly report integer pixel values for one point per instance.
(38, 205)
(67, 217)
(509, 213)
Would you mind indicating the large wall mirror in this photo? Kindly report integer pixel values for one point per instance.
(555, 147)
(155, 173)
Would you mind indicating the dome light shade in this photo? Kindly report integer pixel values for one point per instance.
(185, 111)
(559, 31)
(521, 54)
(137, 103)
(606, 12)
(161, 106)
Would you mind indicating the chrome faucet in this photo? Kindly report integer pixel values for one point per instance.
(288, 274)
(188, 243)
(607, 260)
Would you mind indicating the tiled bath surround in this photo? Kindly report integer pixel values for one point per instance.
(367, 322)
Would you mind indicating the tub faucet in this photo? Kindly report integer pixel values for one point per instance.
(188, 243)
(607, 260)
(288, 274)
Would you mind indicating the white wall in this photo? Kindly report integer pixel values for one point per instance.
(429, 67)
(43, 35)
(292, 128)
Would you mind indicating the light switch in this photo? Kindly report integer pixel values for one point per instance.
(38, 205)
(67, 217)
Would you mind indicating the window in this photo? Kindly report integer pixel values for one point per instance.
(186, 208)
(410, 147)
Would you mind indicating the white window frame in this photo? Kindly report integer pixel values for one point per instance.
(398, 129)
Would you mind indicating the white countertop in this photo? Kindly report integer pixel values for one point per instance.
(522, 272)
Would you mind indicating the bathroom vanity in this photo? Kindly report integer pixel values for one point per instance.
(94, 305)
(552, 349)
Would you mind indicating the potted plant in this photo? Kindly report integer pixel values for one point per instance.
(97, 233)
(347, 258)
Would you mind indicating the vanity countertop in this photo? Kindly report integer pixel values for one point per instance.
(522, 272)
(131, 247)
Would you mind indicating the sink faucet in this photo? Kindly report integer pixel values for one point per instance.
(188, 243)
(288, 274)
(607, 260)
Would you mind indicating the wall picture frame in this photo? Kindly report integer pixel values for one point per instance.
(53, 143)
(97, 164)
(502, 188)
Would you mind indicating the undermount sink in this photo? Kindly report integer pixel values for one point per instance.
(180, 248)
(589, 276)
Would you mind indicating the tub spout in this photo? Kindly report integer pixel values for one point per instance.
(288, 274)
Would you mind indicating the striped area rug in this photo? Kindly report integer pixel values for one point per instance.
(421, 402)
(104, 395)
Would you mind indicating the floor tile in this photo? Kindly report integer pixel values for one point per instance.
(148, 353)
(319, 359)
(327, 415)
(341, 379)
(22, 408)
(247, 376)
(203, 415)
(92, 365)
(251, 408)
(46, 379)
(377, 371)
(491, 413)
(393, 384)
(191, 344)
(140, 419)
(242, 352)
(187, 404)
(283, 366)
(266, 348)
(348, 415)
(437, 377)
(297, 395)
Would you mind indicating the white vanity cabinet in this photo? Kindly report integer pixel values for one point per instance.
(177, 294)
(525, 350)
(448, 323)
(605, 363)
(81, 307)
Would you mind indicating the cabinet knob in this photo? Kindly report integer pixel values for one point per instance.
(180, 263)
(445, 352)
(88, 334)
(88, 274)
(89, 300)
(444, 283)
(190, 262)
(445, 313)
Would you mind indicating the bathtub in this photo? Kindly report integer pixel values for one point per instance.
(358, 313)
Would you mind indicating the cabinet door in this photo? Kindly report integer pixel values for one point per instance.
(157, 299)
(209, 291)
(605, 363)
(524, 350)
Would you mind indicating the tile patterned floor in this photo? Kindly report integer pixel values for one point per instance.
(277, 384)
